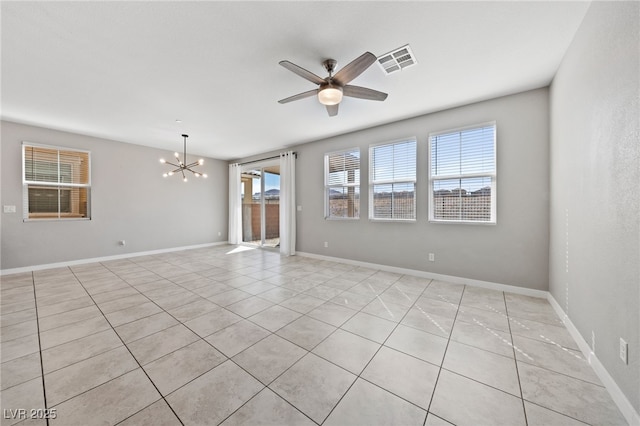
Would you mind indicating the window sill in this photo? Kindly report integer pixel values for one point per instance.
(393, 220)
(55, 219)
(463, 222)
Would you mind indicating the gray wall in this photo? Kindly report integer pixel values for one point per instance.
(130, 201)
(595, 186)
(514, 252)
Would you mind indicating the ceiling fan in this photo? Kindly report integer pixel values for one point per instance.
(331, 89)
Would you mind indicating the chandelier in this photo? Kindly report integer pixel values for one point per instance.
(182, 166)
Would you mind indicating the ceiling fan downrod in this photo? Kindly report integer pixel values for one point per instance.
(330, 66)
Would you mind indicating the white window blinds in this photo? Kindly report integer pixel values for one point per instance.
(56, 183)
(342, 184)
(463, 175)
(392, 182)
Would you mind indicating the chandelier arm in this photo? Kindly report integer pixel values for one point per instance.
(193, 164)
(171, 164)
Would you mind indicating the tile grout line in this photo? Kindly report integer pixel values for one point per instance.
(187, 327)
(15, 312)
(135, 359)
(265, 387)
(165, 311)
(306, 315)
(298, 360)
(358, 376)
(462, 343)
(543, 368)
(288, 368)
(446, 348)
(200, 338)
(562, 374)
(515, 359)
(35, 302)
(65, 312)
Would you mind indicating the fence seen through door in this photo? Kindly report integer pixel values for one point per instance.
(261, 206)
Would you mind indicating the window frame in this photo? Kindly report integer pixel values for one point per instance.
(328, 187)
(493, 201)
(60, 186)
(373, 182)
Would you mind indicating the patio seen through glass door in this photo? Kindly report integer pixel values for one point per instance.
(261, 206)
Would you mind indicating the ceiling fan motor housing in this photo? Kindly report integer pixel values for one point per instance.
(330, 65)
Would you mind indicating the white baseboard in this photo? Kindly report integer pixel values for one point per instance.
(103, 259)
(624, 405)
(429, 275)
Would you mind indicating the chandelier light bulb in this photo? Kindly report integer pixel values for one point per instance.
(197, 174)
(165, 174)
(184, 179)
(162, 160)
(175, 154)
(170, 174)
(204, 175)
(201, 161)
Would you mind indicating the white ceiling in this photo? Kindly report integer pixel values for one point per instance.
(127, 70)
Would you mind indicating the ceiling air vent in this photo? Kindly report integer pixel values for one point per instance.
(397, 60)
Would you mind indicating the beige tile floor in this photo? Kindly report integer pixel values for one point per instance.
(229, 336)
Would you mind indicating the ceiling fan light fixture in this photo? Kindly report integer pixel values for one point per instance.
(330, 95)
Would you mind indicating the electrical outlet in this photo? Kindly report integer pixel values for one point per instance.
(9, 209)
(122, 242)
(326, 244)
(624, 347)
(593, 341)
(432, 257)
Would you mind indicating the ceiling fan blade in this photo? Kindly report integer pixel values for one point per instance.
(332, 110)
(354, 68)
(299, 96)
(308, 75)
(363, 93)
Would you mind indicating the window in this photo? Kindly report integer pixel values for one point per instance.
(392, 183)
(342, 184)
(462, 175)
(56, 182)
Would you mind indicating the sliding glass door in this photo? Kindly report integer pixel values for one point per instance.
(261, 206)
